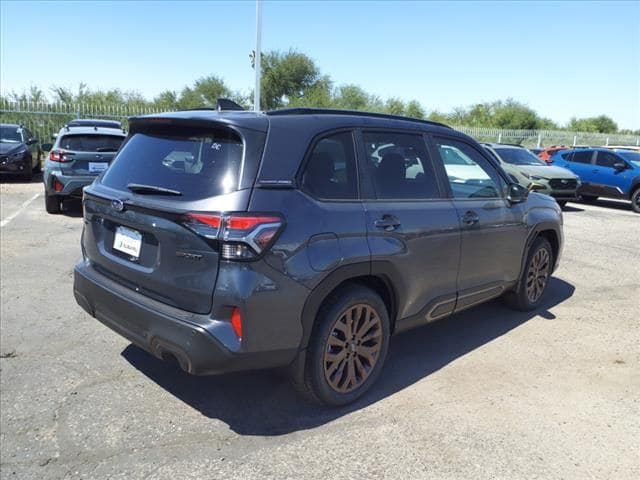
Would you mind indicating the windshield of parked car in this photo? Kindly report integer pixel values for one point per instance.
(631, 157)
(519, 156)
(91, 143)
(10, 135)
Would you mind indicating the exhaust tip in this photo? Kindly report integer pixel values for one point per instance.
(171, 354)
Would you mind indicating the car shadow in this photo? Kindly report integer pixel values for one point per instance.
(571, 208)
(263, 402)
(72, 207)
(618, 205)
(8, 178)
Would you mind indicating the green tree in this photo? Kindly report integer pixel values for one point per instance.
(600, 124)
(286, 77)
(414, 110)
(394, 106)
(351, 97)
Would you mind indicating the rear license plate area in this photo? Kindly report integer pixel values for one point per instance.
(128, 241)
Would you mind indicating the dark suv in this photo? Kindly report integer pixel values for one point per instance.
(302, 238)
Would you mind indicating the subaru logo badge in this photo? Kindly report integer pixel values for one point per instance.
(117, 205)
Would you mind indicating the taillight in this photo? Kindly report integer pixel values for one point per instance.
(236, 322)
(242, 236)
(60, 156)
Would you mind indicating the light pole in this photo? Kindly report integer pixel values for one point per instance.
(256, 98)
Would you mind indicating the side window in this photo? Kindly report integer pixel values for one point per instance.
(580, 156)
(330, 172)
(400, 166)
(607, 159)
(470, 174)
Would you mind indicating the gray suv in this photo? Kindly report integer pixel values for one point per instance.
(83, 149)
(302, 238)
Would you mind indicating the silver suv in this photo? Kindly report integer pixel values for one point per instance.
(83, 149)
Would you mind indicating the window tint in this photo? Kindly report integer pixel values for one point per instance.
(470, 174)
(330, 172)
(198, 164)
(578, 156)
(91, 143)
(400, 166)
(607, 159)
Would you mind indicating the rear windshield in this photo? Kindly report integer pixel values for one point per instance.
(197, 165)
(91, 143)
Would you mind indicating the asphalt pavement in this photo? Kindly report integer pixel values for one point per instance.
(489, 393)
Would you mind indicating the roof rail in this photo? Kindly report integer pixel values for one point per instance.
(332, 111)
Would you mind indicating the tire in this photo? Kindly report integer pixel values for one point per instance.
(635, 200)
(52, 203)
(529, 291)
(588, 198)
(562, 203)
(337, 382)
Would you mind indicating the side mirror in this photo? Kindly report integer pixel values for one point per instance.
(517, 193)
(46, 147)
(31, 141)
(620, 166)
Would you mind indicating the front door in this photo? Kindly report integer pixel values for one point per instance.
(493, 230)
(610, 181)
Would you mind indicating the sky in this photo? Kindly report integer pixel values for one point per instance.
(562, 59)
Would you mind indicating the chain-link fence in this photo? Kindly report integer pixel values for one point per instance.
(546, 138)
(45, 119)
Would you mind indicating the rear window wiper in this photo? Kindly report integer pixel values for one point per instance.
(106, 149)
(151, 189)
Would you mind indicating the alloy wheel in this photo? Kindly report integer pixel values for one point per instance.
(352, 348)
(538, 274)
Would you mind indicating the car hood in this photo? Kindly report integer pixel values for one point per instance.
(7, 148)
(546, 171)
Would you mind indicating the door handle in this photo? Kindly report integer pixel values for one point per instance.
(387, 223)
(470, 218)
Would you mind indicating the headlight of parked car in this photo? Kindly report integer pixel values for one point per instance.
(534, 177)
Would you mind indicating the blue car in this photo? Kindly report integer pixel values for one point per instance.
(604, 173)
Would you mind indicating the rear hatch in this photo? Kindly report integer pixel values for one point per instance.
(88, 153)
(136, 215)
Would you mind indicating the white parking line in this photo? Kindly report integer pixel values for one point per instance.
(17, 212)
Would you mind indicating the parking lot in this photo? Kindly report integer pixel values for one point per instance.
(489, 393)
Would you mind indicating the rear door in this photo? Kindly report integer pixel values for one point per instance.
(412, 228)
(493, 231)
(88, 153)
(137, 230)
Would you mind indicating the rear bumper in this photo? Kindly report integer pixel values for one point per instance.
(201, 345)
(72, 184)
